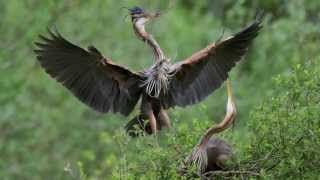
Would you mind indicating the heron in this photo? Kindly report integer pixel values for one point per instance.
(107, 87)
(210, 154)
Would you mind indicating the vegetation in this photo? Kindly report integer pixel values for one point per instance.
(46, 133)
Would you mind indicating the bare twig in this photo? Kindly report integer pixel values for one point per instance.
(228, 173)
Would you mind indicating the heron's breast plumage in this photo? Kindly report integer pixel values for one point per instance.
(157, 78)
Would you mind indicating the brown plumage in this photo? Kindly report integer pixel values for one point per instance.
(107, 87)
(205, 71)
(95, 80)
(211, 153)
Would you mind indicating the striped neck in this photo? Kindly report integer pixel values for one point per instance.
(139, 29)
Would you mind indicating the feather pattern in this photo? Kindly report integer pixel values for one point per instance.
(198, 76)
(93, 79)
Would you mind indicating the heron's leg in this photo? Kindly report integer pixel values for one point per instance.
(164, 118)
(148, 112)
(152, 120)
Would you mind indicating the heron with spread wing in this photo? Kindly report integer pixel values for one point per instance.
(107, 87)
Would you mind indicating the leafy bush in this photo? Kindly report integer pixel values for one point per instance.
(284, 141)
(286, 128)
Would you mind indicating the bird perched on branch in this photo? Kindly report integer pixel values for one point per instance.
(107, 87)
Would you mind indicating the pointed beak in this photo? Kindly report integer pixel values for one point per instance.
(153, 15)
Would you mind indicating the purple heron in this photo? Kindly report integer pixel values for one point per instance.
(107, 87)
(211, 153)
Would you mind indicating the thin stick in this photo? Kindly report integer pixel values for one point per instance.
(215, 173)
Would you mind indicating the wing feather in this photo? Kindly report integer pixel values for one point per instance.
(93, 79)
(199, 75)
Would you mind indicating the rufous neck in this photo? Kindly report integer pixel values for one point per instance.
(226, 122)
(139, 29)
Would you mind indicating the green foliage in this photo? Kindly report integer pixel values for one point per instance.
(283, 143)
(287, 126)
(46, 133)
(160, 157)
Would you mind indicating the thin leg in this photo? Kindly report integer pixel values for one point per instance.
(164, 118)
(147, 111)
(153, 122)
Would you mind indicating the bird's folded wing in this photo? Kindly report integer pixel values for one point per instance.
(93, 79)
(202, 73)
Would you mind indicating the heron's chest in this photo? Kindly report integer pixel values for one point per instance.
(157, 79)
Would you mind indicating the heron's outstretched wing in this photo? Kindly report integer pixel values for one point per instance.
(205, 71)
(95, 80)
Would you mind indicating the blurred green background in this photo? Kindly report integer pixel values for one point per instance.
(46, 133)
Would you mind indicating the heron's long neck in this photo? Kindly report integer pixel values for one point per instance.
(227, 121)
(140, 31)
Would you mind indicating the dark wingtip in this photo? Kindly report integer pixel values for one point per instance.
(256, 25)
(37, 52)
(54, 33)
(259, 17)
(45, 41)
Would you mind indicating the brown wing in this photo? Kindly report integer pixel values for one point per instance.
(93, 79)
(205, 71)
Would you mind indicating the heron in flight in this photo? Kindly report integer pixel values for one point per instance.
(105, 86)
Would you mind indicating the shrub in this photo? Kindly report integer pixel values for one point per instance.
(284, 141)
(286, 128)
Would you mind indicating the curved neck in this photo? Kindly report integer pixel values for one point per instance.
(139, 29)
(227, 121)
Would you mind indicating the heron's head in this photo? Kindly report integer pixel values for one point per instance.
(139, 15)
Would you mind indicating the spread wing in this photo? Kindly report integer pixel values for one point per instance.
(205, 71)
(93, 79)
